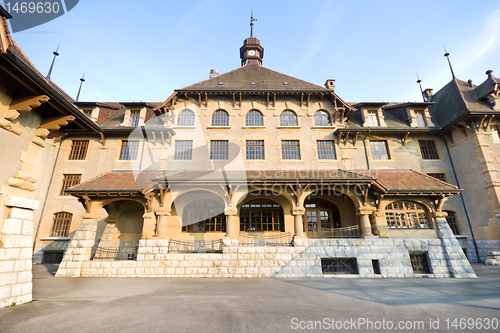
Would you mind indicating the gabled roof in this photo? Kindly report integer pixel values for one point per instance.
(457, 99)
(241, 79)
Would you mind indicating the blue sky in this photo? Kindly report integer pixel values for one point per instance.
(143, 50)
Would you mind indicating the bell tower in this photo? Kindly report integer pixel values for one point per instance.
(251, 52)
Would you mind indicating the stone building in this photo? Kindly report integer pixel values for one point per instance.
(252, 173)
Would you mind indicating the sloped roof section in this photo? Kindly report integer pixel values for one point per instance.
(408, 181)
(253, 77)
(489, 85)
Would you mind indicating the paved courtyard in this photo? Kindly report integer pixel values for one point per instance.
(256, 305)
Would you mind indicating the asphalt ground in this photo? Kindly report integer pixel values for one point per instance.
(257, 305)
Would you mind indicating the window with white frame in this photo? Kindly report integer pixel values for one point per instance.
(379, 150)
(494, 133)
(420, 118)
(373, 118)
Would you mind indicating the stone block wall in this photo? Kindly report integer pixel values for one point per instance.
(54, 245)
(16, 246)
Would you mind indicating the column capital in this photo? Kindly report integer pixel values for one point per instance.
(439, 214)
(298, 210)
(366, 210)
(161, 211)
(149, 215)
(231, 212)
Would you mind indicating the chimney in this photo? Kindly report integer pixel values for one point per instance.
(330, 84)
(427, 94)
(470, 83)
(213, 73)
(488, 72)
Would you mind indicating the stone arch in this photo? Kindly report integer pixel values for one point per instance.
(322, 118)
(336, 189)
(180, 202)
(186, 118)
(407, 214)
(220, 117)
(346, 206)
(289, 118)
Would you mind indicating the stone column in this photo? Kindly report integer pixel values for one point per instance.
(366, 227)
(381, 224)
(80, 248)
(298, 219)
(148, 227)
(16, 248)
(457, 262)
(231, 223)
(162, 222)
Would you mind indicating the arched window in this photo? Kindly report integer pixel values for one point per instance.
(288, 118)
(322, 118)
(204, 215)
(220, 118)
(406, 215)
(261, 215)
(321, 215)
(186, 118)
(60, 225)
(254, 118)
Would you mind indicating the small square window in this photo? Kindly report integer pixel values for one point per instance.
(326, 150)
(221, 83)
(79, 149)
(290, 150)
(219, 150)
(253, 83)
(285, 83)
(68, 181)
(255, 150)
(420, 263)
(129, 149)
(428, 149)
(183, 150)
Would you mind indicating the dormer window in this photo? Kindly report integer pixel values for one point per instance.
(134, 118)
(221, 83)
(253, 83)
(88, 113)
(420, 119)
(285, 83)
(373, 118)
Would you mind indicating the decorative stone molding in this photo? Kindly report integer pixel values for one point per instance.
(366, 210)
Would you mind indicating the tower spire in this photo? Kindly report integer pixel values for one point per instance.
(252, 20)
(82, 79)
(446, 54)
(53, 60)
(420, 84)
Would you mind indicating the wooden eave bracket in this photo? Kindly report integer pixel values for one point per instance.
(28, 103)
(404, 138)
(103, 138)
(55, 123)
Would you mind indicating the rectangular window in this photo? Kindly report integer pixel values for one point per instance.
(60, 225)
(419, 117)
(183, 150)
(70, 180)
(376, 266)
(428, 149)
(78, 149)
(339, 266)
(494, 133)
(452, 222)
(439, 176)
(219, 150)
(373, 118)
(255, 150)
(326, 150)
(134, 118)
(129, 149)
(420, 263)
(290, 150)
(379, 150)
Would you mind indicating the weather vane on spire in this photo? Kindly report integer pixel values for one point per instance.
(252, 20)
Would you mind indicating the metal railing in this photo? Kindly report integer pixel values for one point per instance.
(116, 253)
(201, 246)
(281, 239)
(347, 232)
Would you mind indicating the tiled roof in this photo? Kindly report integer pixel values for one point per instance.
(407, 181)
(388, 181)
(264, 79)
